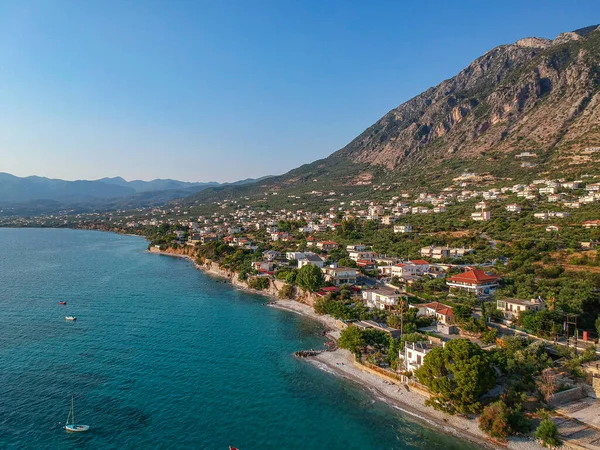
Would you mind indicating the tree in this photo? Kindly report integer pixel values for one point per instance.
(494, 420)
(489, 336)
(457, 375)
(310, 278)
(547, 433)
(352, 339)
(286, 291)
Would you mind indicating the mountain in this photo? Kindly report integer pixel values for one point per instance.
(155, 185)
(520, 110)
(40, 195)
(534, 95)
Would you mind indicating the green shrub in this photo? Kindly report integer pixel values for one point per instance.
(547, 433)
(258, 283)
(286, 291)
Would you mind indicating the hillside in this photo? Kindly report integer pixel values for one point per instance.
(522, 110)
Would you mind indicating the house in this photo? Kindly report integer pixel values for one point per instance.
(588, 245)
(382, 298)
(593, 187)
(327, 245)
(340, 275)
(442, 313)
(295, 256)
(209, 238)
(434, 252)
(310, 259)
(513, 307)
(404, 270)
(475, 281)
(279, 236)
(422, 266)
(481, 205)
(414, 354)
(356, 248)
(355, 256)
(406, 228)
(591, 224)
(311, 241)
(552, 228)
(513, 207)
(366, 264)
(480, 216)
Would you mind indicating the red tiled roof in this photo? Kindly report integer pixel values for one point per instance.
(439, 308)
(474, 276)
(418, 261)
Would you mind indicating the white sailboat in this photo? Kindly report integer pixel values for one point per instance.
(72, 427)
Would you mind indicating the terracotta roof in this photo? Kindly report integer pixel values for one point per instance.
(418, 261)
(474, 276)
(439, 308)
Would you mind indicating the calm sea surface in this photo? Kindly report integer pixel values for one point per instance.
(162, 356)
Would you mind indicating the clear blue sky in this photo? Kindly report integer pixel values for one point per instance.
(224, 90)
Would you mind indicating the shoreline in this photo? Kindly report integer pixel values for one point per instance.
(341, 363)
(411, 403)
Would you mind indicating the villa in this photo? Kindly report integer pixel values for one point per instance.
(475, 281)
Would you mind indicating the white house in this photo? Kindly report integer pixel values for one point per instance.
(310, 259)
(382, 298)
(513, 307)
(404, 228)
(414, 354)
(481, 216)
(513, 207)
(340, 275)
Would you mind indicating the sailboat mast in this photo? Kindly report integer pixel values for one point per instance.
(73, 409)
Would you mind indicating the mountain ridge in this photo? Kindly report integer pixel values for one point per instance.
(536, 96)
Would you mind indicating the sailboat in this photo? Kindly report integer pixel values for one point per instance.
(72, 427)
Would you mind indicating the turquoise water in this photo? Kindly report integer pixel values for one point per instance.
(162, 356)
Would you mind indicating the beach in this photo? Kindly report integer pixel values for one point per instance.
(341, 363)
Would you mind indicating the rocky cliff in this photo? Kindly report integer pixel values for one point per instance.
(535, 94)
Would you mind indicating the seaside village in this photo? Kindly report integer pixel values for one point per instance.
(430, 292)
(516, 346)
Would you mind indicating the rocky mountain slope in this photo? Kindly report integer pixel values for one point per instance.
(534, 95)
(521, 110)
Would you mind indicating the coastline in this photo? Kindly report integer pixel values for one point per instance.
(341, 363)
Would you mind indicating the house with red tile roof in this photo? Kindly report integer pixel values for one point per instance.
(474, 281)
(442, 313)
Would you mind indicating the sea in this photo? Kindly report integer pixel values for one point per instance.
(163, 356)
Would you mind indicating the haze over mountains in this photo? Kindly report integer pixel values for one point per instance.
(39, 194)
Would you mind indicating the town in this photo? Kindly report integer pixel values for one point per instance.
(507, 275)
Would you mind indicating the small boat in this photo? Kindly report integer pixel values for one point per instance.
(72, 427)
(233, 448)
(70, 318)
(62, 303)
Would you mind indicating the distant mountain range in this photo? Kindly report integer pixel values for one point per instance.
(38, 195)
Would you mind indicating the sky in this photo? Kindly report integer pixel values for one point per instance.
(225, 90)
